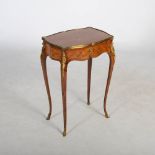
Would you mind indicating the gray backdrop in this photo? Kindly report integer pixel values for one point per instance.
(23, 99)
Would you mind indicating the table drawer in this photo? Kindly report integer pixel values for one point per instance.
(89, 51)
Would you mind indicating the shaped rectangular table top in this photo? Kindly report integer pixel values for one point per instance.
(77, 37)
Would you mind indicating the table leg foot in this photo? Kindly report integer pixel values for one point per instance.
(88, 103)
(106, 115)
(64, 133)
(48, 117)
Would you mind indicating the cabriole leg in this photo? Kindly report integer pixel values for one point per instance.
(89, 80)
(64, 87)
(111, 55)
(44, 69)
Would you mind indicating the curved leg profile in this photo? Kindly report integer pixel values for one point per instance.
(111, 64)
(64, 86)
(89, 80)
(43, 64)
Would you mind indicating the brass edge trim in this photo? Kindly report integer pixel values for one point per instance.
(54, 45)
(86, 45)
(78, 29)
(101, 31)
(77, 46)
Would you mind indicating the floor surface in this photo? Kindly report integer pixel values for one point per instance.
(130, 130)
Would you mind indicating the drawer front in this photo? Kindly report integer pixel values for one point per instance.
(79, 53)
(89, 51)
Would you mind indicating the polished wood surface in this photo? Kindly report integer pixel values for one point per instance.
(77, 37)
(78, 44)
(78, 53)
(89, 80)
(44, 68)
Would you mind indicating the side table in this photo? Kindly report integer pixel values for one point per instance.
(77, 44)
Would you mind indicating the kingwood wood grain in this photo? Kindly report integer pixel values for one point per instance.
(79, 53)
